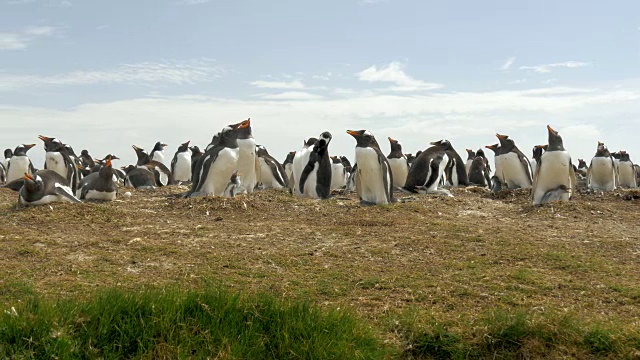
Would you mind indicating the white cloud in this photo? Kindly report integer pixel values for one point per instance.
(292, 95)
(394, 73)
(507, 64)
(21, 39)
(168, 72)
(102, 27)
(296, 84)
(547, 68)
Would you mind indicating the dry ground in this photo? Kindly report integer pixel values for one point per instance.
(454, 258)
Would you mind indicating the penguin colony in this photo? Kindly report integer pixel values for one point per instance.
(233, 163)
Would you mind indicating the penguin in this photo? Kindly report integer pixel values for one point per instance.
(637, 169)
(346, 163)
(162, 173)
(139, 177)
(627, 172)
(157, 153)
(582, 168)
(87, 160)
(497, 161)
(398, 162)
(427, 170)
(215, 167)
(602, 172)
(372, 172)
(8, 153)
(410, 157)
(455, 170)
(19, 164)
(616, 164)
(45, 187)
(480, 153)
(181, 163)
(315, 180)
(300, 160)
(478, 172)
(248, 161)
(272, 174)
(234, 186)
(3, 174)
(99, 186)
(554, 172)
(535, 158)
(338, 174)
(59, 158)
(196, 154)
(288, 165)
(516, 169)
(470, 156)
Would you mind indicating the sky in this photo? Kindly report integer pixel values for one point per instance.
(105, 75)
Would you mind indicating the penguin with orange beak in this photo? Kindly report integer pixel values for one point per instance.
(45, 187)
(19, 163)
(99, 185)
(554, 179)
(398, 162)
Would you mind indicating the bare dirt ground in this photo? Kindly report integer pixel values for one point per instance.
(454, 258)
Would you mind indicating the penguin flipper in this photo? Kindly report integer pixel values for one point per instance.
(307, 170)
(534, 183)
(273, 165)
(15, 185)
(572, 180)
(386, 172)
(66, 192)
(526, 164)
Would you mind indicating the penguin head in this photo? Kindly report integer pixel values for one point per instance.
(395, 145)
(127, 168)
(624, 156)
(480, 153)
(289, 158)
(8, 153)
(32, 183)
(364, 138)
(326, 137)
(143, 157)
(310, 142)
(261, 150)
(84, 152)
(69, 149)
(110, 156)
(495, 148)
(243, 129)
(21, 150)
(345, 160)
(195, 150)
(235, 177)
(443, 144)
(602, 150)
(582, 164)
(470, 154)
(159, 146)
(616, 155)
(107, 169)
(502, 138)
(537, 151)
(227, 137)
(555, 140)
(184, 147)
(51, 144)
(335, 160)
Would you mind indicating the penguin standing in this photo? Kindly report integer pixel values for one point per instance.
(535, 158)
(516, 169)
(478, 172)
(98, 186)
(45, 187)
(288, 165)
(157, 153)
(272, 174)
(315, 180)
(59, 158)
(372, 172)
(19, 164)
(196, 154)
(234, 186)
(350, 174)
(217, 165)
(602, 172)
(248, 161)
(616, 165)
(497, 162)
(162, 173)
(554, 178)
(300, 160)
(455, 170)
(627, 172)
(8, 153)
(181, 163)
(582, 168)
(338, 174)
(470, 156)
(398, 162)
(427, 170)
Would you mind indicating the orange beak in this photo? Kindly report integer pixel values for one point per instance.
(502, 137)
(491, 146)
(43, 138)
(551, 129)
(29, 146)
(245, 124)
(353, 133)
(392, 139)
(28, 177)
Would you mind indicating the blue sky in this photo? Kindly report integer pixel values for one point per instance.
(104, 75)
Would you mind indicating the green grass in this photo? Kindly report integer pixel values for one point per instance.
(173, 324)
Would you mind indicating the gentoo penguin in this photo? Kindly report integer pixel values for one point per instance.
(315, 180)
(470, 156)
(535, 158)
(181, 163)
(637, 168)
(3, 174)
(157, 153)
(162, 173)
(234, 187)
(497, 161)
(410, 157)
(196, 154)
(346, 163)
(582, 168)
(427, 170)
(44, 187)
(516, 169)
(59, 159)
(8, 153)
(19, 164)
(626, 172)
(480, 153)
(272, 174)
(602, 172)
(248, 162)
(300, 160)
(87, 160)
(398, 163)
(216, 166)
(616, 164)
(338, 174)
(351, 184)
(554, 172)
(139, 177)
(288, 165)
(478, 172)
(455, 170)
(98, 186)
(373, 174)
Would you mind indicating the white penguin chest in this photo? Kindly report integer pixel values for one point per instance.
(513, 170)
(220, 171)
(55, 162)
